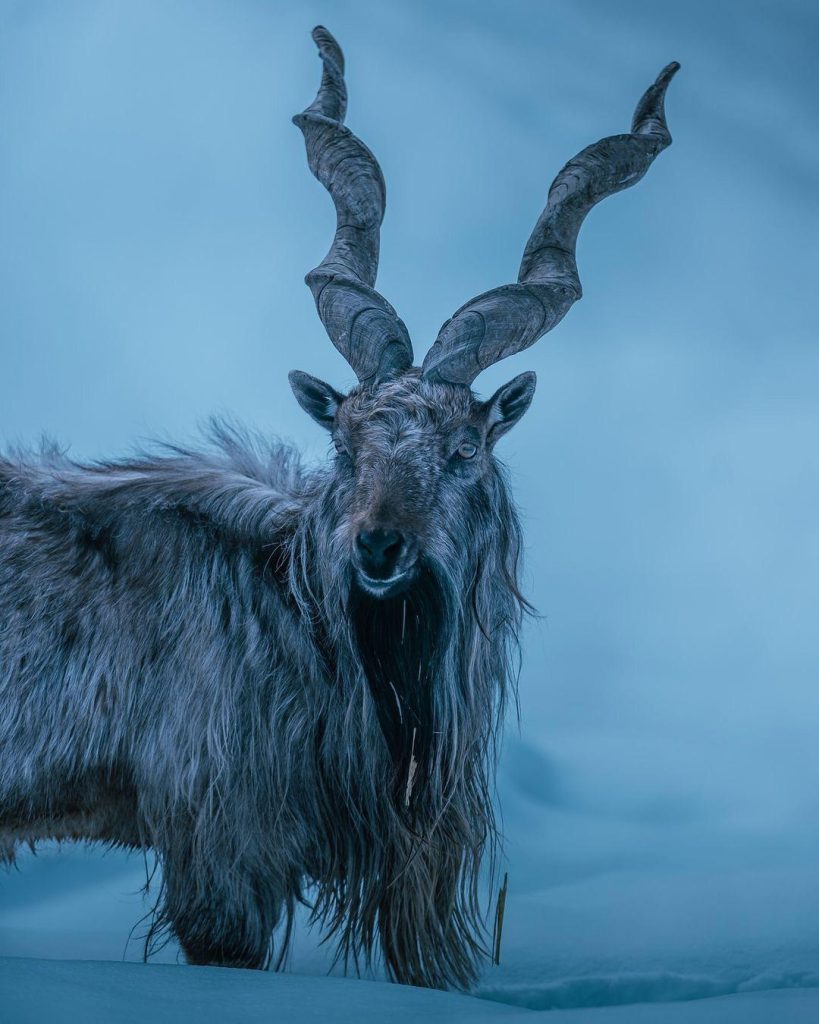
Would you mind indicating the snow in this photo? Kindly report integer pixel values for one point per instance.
(78, 992)
(31, 990)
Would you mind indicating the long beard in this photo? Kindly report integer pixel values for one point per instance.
(401, 641)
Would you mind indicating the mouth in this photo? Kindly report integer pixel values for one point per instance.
(388, 587)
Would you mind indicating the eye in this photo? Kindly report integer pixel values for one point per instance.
(340, 448)
(467, 450)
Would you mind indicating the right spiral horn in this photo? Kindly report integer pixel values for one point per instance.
(508, 319)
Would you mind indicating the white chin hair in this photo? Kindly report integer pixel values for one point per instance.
(379, 587)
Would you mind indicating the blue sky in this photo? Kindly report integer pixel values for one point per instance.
(157, 218)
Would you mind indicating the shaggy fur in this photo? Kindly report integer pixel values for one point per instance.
(278, 679)
(187, 664)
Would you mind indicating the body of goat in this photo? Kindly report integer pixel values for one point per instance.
(279, 680)
(179, 670)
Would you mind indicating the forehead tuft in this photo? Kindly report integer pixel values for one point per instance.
(408, 396)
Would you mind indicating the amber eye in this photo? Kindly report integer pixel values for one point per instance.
(467, 450)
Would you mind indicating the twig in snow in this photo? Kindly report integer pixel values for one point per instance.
(499, 911)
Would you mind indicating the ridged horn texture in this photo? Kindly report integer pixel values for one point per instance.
(361, 323)
(511, 318)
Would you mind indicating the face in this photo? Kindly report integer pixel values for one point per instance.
(410, 458)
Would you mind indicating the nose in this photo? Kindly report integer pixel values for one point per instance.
(379, 552)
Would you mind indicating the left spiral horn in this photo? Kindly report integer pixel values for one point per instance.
(360, 322)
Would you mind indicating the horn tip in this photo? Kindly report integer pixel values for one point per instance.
(668, 73)
(328, 46)
(649, 115)
(321, 36)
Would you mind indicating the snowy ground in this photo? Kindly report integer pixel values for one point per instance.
(685, 941)
(73, 992)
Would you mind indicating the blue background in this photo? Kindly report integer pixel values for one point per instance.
(156, 220)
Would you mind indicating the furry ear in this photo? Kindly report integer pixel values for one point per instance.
(507, 405)
(317, 399)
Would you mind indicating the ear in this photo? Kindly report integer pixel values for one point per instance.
(317, 399)
(507, 405)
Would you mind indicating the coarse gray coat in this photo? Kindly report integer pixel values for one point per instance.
(289, 683)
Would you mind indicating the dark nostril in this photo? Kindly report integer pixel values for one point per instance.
(379, 549)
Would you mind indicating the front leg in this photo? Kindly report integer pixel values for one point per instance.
(225, 918)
